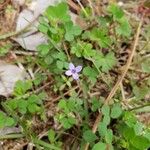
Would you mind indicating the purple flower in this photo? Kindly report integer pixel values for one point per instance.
(73, 71)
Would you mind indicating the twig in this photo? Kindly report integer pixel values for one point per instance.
(66, 50)
(115, 88)
(138, 107)
(122, 91)
(73, 5)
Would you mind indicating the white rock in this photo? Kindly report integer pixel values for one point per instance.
(32, 41)
(9, 75)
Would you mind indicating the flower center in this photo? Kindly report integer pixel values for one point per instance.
(73, 70)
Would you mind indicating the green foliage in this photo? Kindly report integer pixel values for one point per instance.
(89, 136)
(123, 27)
(116, 111)
(69, 107)
(99, 36)
(54, 15)
(145, 66)
(6, 121)
(22, 87)
(105, 62)
(71, 31)
(96, 47)
(134, 133)
(5, 49)
(140, 92)
(99, 146)
(95, 104)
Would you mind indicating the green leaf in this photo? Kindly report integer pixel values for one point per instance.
(116, 111)
(62, 104)
(60, 64)
(127, 132)
(22, 106)
(51, 135)
(89, 136)
(102, 129)
(138, 128)
(34, 108)
(106, 110)
(145, 66)
(109, 136)
(123, 28)
(140, 142)
(95, 104)
(106, 119)
(66, 124)
(108, 62)
(6, 121)
(71, 31)
(129, 118)
(91, 73)
(116, 11)
(61, 56)
(21, 87)
(43, 49)
(83, 49)
(105, 62)
(99, 146)
(54, 15)
(99, 36)
(9, 122)
(140, 92)
(71, 120)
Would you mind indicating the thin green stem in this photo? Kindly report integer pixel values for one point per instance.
(11, 136)
(46, 145)
(139, 107)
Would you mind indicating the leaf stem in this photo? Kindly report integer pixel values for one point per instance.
(11, 136)
(46, 145)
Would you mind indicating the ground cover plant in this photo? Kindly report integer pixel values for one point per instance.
(91, 82)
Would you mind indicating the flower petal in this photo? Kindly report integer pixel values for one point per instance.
(75, 76)
(78, 68)
(68, 73)
(71, 66)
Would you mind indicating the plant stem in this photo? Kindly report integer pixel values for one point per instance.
(11, 136)
(46, 145)
(139, 107)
